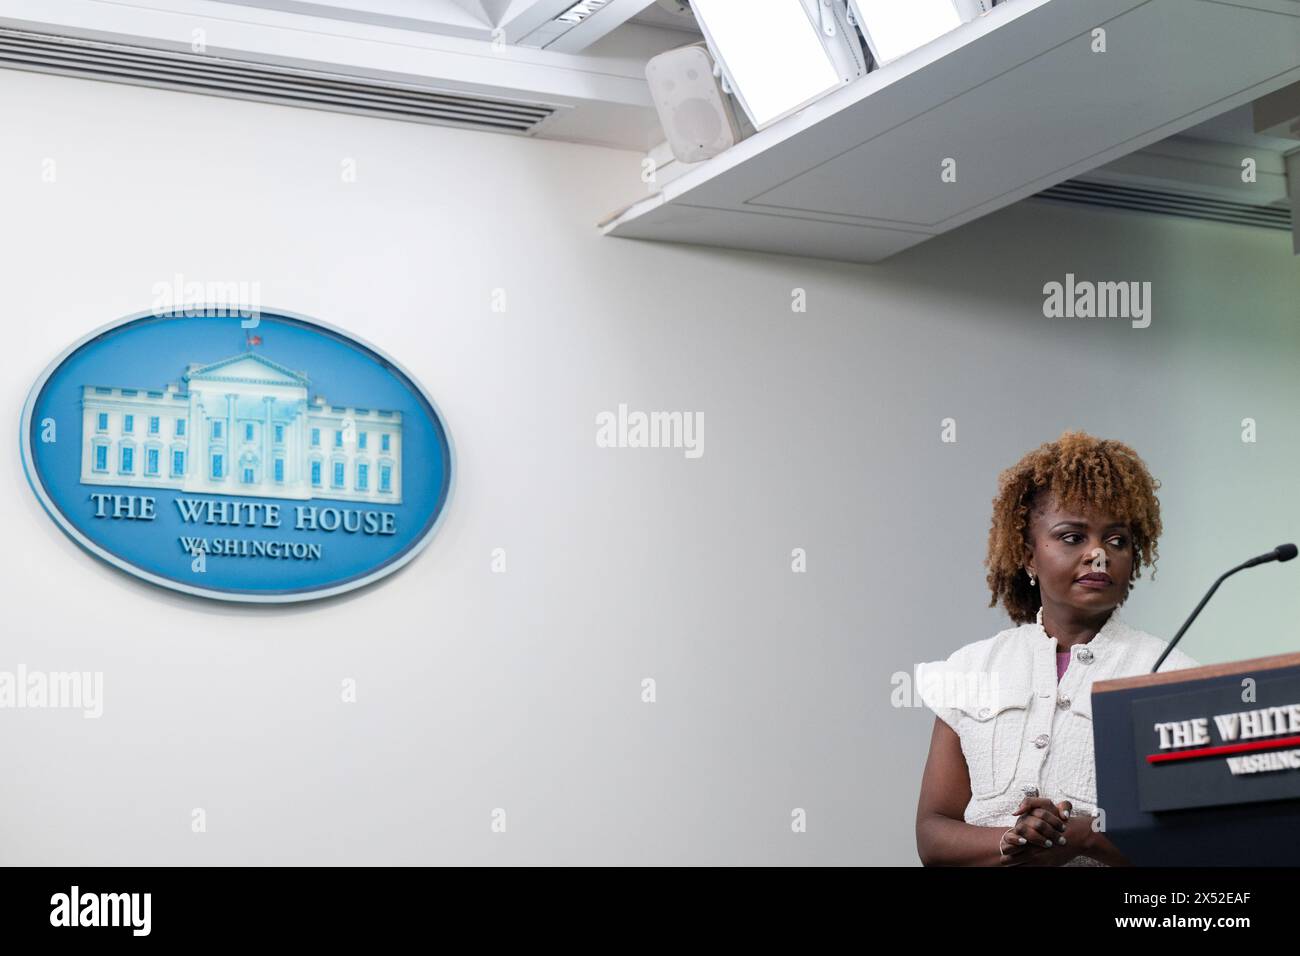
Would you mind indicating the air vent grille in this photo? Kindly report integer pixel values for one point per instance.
(242, 79)
(1185, 205)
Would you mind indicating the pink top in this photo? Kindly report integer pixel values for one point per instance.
(1062, 662)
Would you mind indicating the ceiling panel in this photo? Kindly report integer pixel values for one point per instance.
(1044, 116)
(1017, 98)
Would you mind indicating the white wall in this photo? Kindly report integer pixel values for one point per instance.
(522, 690)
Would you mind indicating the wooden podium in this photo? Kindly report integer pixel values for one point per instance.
(1201, 767)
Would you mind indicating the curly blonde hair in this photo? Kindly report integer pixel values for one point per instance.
(1084, 474)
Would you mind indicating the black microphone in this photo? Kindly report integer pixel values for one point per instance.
(1283, 552)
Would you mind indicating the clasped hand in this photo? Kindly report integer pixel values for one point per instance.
(1045, 834)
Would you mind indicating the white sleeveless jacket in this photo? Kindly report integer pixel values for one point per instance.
(1018, 727)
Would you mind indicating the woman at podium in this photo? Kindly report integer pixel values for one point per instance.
(1010, 779)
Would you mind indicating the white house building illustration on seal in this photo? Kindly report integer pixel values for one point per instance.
(241, 426)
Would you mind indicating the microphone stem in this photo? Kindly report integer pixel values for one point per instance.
(1205, 600)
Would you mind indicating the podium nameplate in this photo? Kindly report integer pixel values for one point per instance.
(1206, 746)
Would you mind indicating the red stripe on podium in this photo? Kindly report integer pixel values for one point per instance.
(1276, 743)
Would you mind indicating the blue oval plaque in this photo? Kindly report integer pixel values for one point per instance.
(281, 462)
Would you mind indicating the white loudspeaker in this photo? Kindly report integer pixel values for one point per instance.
(697, 117)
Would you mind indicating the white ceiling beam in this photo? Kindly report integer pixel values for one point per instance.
(475, 9)
(383, 53)
(498, 10)
(603, 21)
(523, 21)
(462, 18)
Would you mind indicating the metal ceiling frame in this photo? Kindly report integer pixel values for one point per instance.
(525, 22)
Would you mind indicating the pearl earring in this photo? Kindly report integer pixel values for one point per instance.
(1031, 577)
